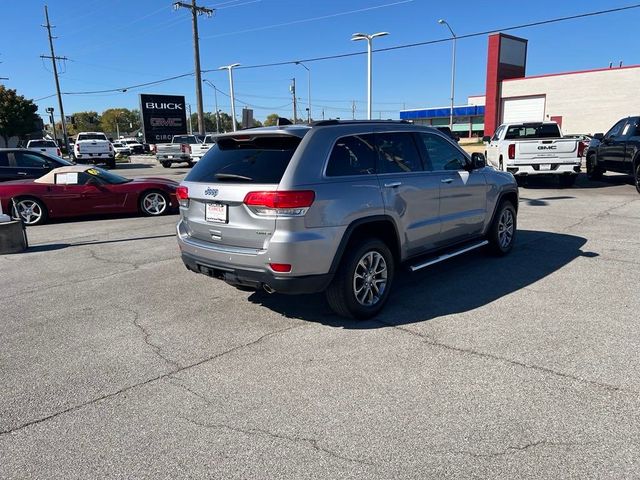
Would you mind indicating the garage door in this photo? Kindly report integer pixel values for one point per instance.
(523, 109)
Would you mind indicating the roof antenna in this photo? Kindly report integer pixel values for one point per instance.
(620, 66)
(610, 64)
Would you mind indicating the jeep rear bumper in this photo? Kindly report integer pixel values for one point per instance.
(257, 278)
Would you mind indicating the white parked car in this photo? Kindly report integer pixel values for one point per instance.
(45, 146)
(121, 148)
(535, 148)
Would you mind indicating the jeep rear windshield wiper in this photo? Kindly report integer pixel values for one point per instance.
(232, 176)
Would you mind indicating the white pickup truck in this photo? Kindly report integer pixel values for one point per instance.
(94, 147)
(45, 146)
(535, 148)
(183, 148)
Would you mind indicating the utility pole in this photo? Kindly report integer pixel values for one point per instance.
(195, 11)
(189, 119)
(55, 76)
(353, 109)
(292, 88)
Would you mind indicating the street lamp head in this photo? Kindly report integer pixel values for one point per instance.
(442, 21)
(358, 36)
(379, 34)
(229, 67)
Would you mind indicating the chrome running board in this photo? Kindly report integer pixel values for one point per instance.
(447, 256)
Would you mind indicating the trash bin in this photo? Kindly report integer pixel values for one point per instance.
(13, 237)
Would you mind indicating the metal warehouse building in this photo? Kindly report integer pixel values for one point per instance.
(586, 101)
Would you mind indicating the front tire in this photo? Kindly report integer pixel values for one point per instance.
(503, 229)
(362, 284)
(31, 210)
(593, 171)
(154, 203)
(637, 177)
(166, 164)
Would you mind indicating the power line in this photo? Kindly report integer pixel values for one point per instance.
(353, 54)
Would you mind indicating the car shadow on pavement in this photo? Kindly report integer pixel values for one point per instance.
(50, 247)
(455, 286)
(582, 182)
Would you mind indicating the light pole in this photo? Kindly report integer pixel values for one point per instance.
(369, 39)
(308, 90)
(453, 70)
(233, 101)
(215, 96)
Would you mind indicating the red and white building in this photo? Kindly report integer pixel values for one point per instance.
(586, 101)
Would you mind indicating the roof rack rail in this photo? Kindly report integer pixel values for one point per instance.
(323, 123)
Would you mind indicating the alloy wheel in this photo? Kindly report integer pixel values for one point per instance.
(154, 203)
(370, 279)
(30, 211)
(505, 228)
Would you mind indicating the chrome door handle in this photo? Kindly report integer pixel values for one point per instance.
(22, 173)
(392, 184)
(446, 180)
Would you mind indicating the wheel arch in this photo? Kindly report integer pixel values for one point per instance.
(510, 196)
(379, 226)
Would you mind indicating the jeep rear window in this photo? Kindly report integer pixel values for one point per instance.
(42, 143)
(244, 159)
(191, 140)
(532, 131)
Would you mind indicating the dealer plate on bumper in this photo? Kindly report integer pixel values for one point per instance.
(545, 166)
(215, 212)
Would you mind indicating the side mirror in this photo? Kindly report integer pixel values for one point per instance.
(599, 136)
(486, 138)
(478, 160)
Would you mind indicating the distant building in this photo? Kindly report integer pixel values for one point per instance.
(586, 101)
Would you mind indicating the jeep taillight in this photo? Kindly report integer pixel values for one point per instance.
(182, 194)
(512, 151)
(280, 203)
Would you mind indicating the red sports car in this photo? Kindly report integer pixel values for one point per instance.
(86, 190)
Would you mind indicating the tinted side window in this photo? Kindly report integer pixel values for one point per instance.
(4, 159)
(616, 129)
(441, 155)
(29, 160)
(353, 155)
(398, 153)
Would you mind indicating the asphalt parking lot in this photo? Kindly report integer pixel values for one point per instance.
(117, 362)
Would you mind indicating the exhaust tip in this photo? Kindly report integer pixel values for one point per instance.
(268, 289)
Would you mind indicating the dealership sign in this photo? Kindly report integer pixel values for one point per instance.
(163, 116)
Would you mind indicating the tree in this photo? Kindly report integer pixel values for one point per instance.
(121, 119)
(84, 122)
(17, 115)
(272, 120)
(209, 122)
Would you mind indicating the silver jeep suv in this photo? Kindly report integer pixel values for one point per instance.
(339, 206)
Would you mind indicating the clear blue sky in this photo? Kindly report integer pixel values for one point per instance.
(114, 43)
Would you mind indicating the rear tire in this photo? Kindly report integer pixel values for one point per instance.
(166, 164)
(593, 171)
(567, 180)
(637, 177)
(32, 211)
(363, 281)
(502, 233)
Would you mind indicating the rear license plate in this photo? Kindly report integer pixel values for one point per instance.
(215, 212)
(545, 166)
(169, 156)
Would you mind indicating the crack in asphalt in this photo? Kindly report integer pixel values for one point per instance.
(67, 283)
(510, 450)
(147, 339)
(145, 382)
(469, 351)
(311, 442)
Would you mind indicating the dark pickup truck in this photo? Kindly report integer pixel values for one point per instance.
(618, 150)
